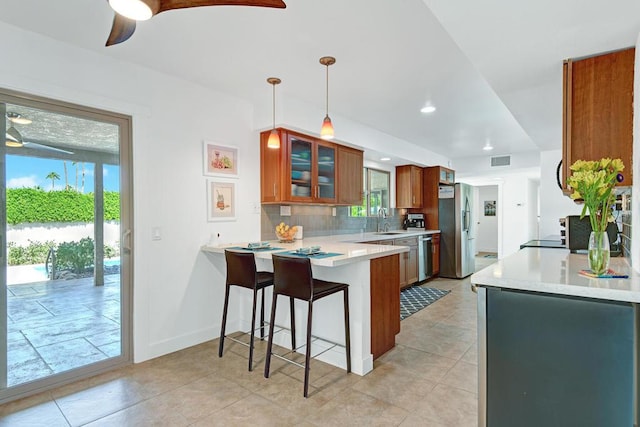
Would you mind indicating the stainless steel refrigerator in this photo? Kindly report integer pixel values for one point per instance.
(455, 207)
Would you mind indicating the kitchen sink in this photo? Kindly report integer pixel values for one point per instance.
(388, 233)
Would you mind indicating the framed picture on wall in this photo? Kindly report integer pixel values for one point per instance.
(221, 200)
(220, 160)
(489, 208)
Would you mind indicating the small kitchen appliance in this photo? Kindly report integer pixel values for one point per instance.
(414, 222)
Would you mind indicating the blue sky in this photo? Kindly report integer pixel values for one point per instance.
(29, 172)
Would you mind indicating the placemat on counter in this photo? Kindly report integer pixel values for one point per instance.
(315, 255)
(258, 249)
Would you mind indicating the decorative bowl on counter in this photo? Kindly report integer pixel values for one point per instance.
(285, 233)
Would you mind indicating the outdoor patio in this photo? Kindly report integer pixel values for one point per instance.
(54, 326)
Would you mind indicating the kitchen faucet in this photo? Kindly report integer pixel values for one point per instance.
(382, 213)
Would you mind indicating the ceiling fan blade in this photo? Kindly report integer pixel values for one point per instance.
(121, 29)
(181, 4)
(37, 146)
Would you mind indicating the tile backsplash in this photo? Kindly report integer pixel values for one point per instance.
(319, 220)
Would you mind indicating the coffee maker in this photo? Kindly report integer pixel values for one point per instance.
(414, 221)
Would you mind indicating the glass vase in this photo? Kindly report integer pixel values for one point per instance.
(599, 252)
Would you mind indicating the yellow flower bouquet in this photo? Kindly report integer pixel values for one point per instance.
(594, 183)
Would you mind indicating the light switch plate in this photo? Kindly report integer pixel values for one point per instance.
(156, 233)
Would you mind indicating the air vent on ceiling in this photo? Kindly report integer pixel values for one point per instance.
(501, 161)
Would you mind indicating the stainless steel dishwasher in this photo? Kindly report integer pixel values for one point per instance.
(425, 266)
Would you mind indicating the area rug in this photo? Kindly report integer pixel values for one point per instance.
(416, 298)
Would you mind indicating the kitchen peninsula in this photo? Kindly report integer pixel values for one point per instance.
(556, 348)
(372, 272)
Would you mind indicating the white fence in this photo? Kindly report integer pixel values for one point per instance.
(59, 232)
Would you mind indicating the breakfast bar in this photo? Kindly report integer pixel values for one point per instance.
(555, 347)
(372, 272)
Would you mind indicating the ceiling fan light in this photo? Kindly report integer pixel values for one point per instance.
(327, 129)
(139, 10)
(13, 138)
(17, 118)
(274, 140)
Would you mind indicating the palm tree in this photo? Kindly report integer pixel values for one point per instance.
(53, 176)
(82, 177)
(66, 176)
(76, 165)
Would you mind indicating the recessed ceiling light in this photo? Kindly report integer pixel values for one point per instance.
(385, 159)
(428, 109)
(487, 146)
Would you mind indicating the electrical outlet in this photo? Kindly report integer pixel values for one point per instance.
(285, 210)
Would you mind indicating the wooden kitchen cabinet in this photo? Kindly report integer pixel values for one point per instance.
(385, 304)
(408, 186)
(435, 254)
(446, 176)
(270, 171)
(350, 176)
(303, 170)
(598, 110)
(408, 261)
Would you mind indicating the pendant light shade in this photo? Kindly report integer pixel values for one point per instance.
(274, 138)
(327, 127)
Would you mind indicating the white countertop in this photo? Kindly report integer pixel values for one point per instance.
(555, 271)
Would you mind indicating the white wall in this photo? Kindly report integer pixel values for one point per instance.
(177, 294)
(487, 229)
(553, 204)
(517, 206)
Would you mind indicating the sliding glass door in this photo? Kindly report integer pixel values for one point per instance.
(65, 257)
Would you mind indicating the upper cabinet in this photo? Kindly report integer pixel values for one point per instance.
(304, 170)
(447, 176)
(598, 110)
(350, 176)
(408, 186)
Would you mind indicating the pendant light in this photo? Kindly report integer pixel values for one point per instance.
(274, 138)
(327, 127)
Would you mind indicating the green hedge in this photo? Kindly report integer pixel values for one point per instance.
(34, 205)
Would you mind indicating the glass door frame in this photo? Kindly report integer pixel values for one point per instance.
(124, 123)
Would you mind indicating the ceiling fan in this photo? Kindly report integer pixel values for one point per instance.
(130, 11)
(14, 139)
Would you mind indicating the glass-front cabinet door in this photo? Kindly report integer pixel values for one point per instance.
(311, 170)
(301, 167)
(326, 173)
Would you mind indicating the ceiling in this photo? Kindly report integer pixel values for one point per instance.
(493, 68)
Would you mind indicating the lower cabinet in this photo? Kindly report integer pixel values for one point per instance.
(408, 261)
(435, 254)
(385, 303)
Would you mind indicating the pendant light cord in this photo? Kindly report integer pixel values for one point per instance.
(274, 105)
(327, 90)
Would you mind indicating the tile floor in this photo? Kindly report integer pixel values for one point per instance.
(428, 379)
(55, 326)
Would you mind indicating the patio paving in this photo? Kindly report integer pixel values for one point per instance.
(54, 326)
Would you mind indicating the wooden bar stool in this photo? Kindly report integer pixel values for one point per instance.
(293, 278)
(241, 271)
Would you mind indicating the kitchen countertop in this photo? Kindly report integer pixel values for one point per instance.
(351, 247)
(555, 271)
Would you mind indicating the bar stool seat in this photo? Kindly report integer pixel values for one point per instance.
(241, 271)
(293, 278)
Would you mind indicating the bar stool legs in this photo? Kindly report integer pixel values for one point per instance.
(267, 364)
